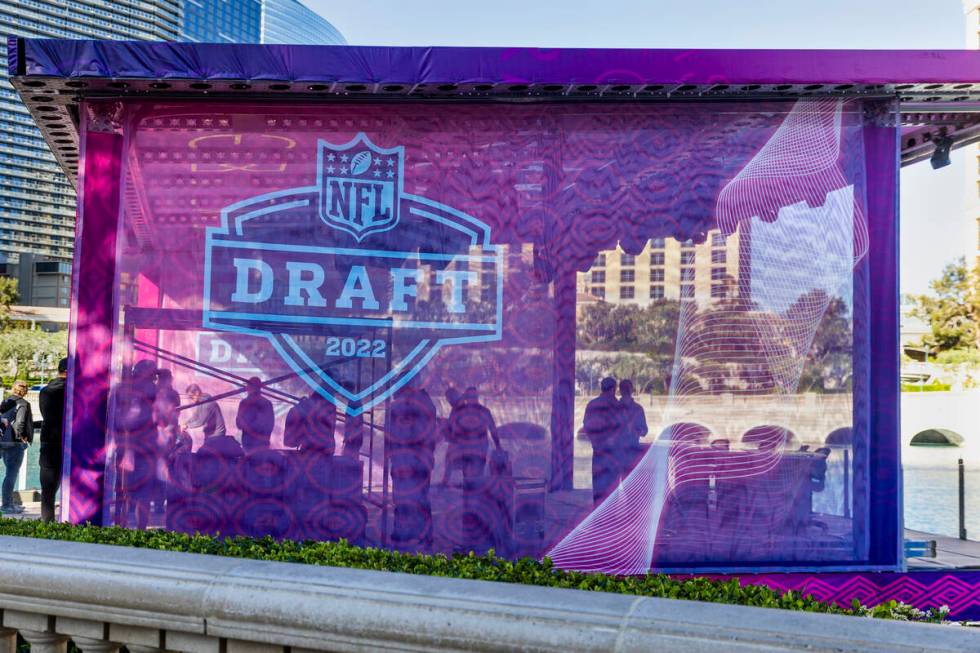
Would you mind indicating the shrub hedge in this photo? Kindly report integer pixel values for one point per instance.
(474, 567)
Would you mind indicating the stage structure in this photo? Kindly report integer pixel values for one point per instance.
(627, 309)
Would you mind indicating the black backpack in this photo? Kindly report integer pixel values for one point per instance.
(7, 435)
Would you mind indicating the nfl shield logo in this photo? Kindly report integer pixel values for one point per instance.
(360, 186)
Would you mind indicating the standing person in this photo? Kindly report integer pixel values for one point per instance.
(206, 414)
(603, 426)
(469, 424)
(295, 433)
(411, 432)
(322, 424)
(18, 418)
(52, 405)
(454, 458)
(138, 451)
(166, 402)
(634, 427)
(256, 417)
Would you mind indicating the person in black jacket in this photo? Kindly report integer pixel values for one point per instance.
(18, 415)
(52, 404)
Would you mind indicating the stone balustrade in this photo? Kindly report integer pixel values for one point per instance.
(103, 598)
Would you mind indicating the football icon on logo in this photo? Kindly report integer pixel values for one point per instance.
(360, 163)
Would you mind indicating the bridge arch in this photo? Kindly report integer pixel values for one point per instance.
(689, 432)
(771, 436)
(937, 438)
(840, 437)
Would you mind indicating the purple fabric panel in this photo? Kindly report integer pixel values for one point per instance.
(882, 157)
(91, 341)
(960, 590)
(65, 58)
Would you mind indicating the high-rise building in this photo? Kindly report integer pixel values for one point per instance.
(255, 21)
(37, 204)
(665, 269)
(972, 10)
(221, 21)
(290, 21)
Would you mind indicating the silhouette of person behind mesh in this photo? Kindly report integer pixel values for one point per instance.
(411, 432)
(603, 426)
(453, 459)
(256, 418)
(469, 423)
(634, 427)
(139, 450)
(321, 419)
(297, 424)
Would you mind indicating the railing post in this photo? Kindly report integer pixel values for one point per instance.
(42, 642)
(962, 473)
(89, 645)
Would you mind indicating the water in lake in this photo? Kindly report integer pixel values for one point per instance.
(930, 473)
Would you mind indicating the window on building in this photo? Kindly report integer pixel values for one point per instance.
(657, 243)
(719, 256)
(687, 274)
(627, 276)
(657, 274)
(627, 292)
(600, 261)
(656, 292)
(627, 259)
(657, 258)
(687, 258)
(687, 290)
(717, 290)
(598, 292)
(687, 244)
(598, 276)
(718, 274)
(717, 239)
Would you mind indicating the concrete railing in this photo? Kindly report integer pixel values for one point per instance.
(103, 598)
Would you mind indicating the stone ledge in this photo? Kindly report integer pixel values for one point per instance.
(205, 604)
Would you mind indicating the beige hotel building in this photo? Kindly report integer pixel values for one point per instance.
(665, 269)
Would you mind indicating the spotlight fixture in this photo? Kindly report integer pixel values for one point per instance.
(940, 156)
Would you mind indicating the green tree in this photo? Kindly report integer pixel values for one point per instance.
(953, 310)
(8, 296)
(649, 330)
(829, 363)
(24, 349)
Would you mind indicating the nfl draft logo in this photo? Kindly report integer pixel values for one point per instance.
(355, 283)
(360, 186)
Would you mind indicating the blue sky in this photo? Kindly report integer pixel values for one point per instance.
(935, 228)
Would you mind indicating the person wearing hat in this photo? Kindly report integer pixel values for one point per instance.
(52, 404)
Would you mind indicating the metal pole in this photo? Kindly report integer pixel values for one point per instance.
(962, 472)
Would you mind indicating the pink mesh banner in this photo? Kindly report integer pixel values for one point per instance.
(625, 336)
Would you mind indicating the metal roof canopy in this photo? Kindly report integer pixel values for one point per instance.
(938, 90)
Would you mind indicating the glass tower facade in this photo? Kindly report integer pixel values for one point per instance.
(255, 21)
(290, 21)
(37, 204)
(222, 21)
